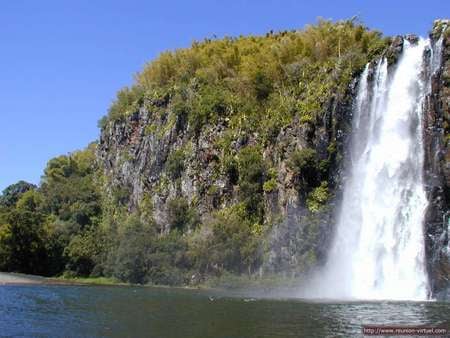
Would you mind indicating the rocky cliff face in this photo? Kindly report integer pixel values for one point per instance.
(437, 161)
(138, 153)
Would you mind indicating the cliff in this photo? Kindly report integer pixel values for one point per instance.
(437, 161)
(279, 165)
(272, 149)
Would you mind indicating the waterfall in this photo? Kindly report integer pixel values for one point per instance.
(379, 251)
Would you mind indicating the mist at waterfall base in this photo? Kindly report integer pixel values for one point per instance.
(378, 251)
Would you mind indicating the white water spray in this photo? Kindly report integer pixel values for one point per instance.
(379, 250)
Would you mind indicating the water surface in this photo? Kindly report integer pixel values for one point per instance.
(106, 311)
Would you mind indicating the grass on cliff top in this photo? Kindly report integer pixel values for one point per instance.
(255, 83)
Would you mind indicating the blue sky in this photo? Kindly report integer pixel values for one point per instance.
(61, 61)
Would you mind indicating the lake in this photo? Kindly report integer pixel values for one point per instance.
(111, 311)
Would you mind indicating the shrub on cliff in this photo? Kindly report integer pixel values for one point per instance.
(252, 171)
(318, 197)
(175, 164)
(180, 215)
(305, 167)
(127, 102)
(210, 103)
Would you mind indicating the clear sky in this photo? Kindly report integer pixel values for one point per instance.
(62, 61)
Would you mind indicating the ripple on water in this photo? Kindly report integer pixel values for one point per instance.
(74, 311)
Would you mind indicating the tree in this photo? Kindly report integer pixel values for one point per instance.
(82, 251)
(22, 238)
(13, 193)
(180, 215)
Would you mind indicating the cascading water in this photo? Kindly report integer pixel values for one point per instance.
(378, 251)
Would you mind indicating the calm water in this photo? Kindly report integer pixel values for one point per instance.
(94, 311)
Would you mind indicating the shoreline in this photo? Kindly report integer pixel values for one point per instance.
(15, 278)
(229, 283)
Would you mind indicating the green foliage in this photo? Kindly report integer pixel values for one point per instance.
(251, 179)
(151, 129)
(69, 189)
(440, 27)
(304, 165)
(318, 197)
(57, 215)
(249, 78)
(180, 215)
(82, 251)
(226, 243)
(209, 104)
(271, 184)
(129, 264)
(12, 193)
(181, 109)
(22, 239)
(230, 168)
(175, 164)
(121, 195)
(143, 257)
(127, 102)
(30, 201)
(262, 85)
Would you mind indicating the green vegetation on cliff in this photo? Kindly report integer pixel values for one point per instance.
(84, 221)
(259, 83)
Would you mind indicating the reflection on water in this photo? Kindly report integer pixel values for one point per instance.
(86, 311)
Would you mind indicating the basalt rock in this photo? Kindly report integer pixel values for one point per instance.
(436, 121)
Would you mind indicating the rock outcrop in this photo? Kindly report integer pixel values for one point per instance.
(436, 121)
